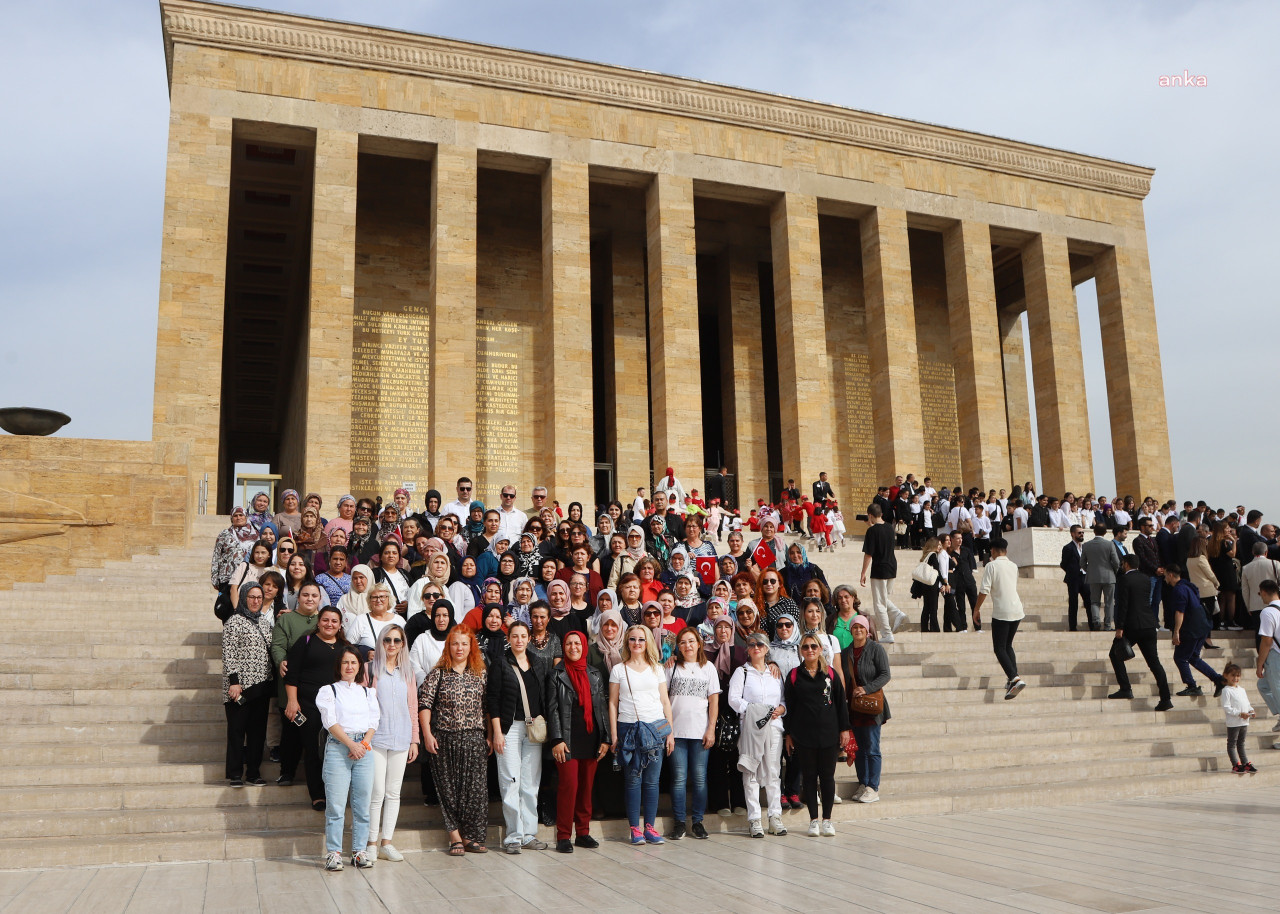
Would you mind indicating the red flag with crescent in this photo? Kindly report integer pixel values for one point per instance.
(707, 569)
(763, 556)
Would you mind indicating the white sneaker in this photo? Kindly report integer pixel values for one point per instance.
(837, 799)
(363, 860)
(726, 812)
(813, 828)
(756, 830)
(897, 623)
(869, 796)
(1277, 745)
(828, 829)
(333, 862)
(887, 639)
(1276, 728)
(858, 792)
(776, 827)
(388, 852)
(1235, 628)
(1014, 688)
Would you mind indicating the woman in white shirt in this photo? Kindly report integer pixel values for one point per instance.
(396, 742)
(759, 683)
(814, 619)
(428, 646)
(693, 687)
(640, 728)
(349, 714)
(364, 630)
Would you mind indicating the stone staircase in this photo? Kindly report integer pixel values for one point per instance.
(109, 678)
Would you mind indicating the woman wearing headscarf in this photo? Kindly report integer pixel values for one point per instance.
(310, 535)
(785, 652)
(260, 511)
(249, 572)
(599, 541)
(246, 685)
(563, 618)
(724, 591)
(748, 620)
(522, 595)
(346, 514)
(429, 645)
(528, 558)
(492, 636)
(677, 566)
(605, 647)
(717, 608)
(690, 606)
(724, 783)
(631, 556)
(355, 602)
(290, 516)
(578, 732)
(799, 570)
(657, 542)
(671, 486)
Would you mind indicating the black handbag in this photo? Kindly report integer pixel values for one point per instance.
(728, 726)
(1121, 649)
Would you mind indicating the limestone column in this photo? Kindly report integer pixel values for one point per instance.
(630, 365)
(451, 451)
(675, 373)
(1057, 367)
(327, 447)
(193, 266)
(804, 390)
(566, 298)
(1135, 385)
(891, 344)
(1022, 464)
(746, 441)
(975, 338)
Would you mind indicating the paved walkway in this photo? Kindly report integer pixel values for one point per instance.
(1209, 852)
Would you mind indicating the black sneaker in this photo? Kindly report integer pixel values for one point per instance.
(698, 831)
(1123, 693)
(1191, 691)
(1217, 689)
(1166, 704)
(564, 846)
(677, 831)
(586, 841)
(235, 782)
(283, 781)
(275, 754)
(257, 782)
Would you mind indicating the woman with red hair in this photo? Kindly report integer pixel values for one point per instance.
(452, 718)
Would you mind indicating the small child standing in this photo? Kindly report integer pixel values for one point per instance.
(837, 522)
(820, 528)
(1235, 704)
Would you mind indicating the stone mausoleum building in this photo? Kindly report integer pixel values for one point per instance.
(394, 258)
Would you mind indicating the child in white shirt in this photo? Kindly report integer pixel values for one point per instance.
(1235, 704)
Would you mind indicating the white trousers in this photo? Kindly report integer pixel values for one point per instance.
(887, 615)
(767, 775)
(519, 774)
(384, 799)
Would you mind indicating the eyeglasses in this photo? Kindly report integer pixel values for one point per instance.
(393, 641)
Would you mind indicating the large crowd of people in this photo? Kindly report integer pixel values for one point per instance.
(573, 666)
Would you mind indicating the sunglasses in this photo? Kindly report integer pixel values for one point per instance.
(635, 641)
(756, 646)
(286, 550)
(431, 596)
(508, 494)
(785, 625)
(393, 641)
(464, 488)
(652, 612)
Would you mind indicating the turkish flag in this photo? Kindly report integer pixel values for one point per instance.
(763, 555)
(707, 569)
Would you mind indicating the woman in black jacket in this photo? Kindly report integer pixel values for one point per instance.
(816, 726)
(578, 731)
(936, 556)
(866, 670)
(516, 694)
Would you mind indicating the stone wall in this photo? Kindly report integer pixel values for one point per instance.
(68, 503)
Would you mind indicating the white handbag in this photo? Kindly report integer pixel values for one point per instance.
(926, 574)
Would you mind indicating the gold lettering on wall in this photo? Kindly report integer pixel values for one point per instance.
(498, 366)
(860, 430)
(390, 369)
(941, 425)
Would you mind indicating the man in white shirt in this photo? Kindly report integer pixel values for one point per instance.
(461, 507)
(1268, 669)
(637, 506)
(1000, 583)
(512, 518)
(957, 515)
(1020, 517)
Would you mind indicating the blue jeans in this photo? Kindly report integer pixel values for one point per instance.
(867, 762)
(688, 767)
(644, 784)
(343, 775)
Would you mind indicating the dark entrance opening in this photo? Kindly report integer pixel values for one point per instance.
(267, 286)
(772, 410)
(709, 296)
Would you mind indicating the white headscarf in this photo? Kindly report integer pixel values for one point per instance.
(357, 604)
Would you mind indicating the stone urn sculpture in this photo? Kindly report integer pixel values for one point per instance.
(28, 420)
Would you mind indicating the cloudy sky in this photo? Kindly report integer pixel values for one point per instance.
(85, 109)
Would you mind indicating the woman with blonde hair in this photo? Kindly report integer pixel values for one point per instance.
(395, 744)
(816, 726)
(640, 728)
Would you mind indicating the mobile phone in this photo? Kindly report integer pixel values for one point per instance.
(299, 719)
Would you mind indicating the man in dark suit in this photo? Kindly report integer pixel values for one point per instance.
(1185, 539)
(1166, 542)
(1148, 553)
(822, 490)
(1136, 625)
(1249, 533)
(964, 586)
(882, 499)
(1072, 566)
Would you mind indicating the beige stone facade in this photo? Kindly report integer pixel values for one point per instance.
(592, 273)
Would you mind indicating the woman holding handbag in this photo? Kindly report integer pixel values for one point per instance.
(516, 702)
(724, 783)
(866, 673)
(942, 564)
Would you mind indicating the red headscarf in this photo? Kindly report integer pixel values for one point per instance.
(671, 476)
(577, 671)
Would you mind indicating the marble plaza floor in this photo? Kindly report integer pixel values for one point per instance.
(1208, 852)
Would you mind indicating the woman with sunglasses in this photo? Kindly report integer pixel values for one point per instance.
(816, 726)
(640, 728)
(395, 743)
(755, 694)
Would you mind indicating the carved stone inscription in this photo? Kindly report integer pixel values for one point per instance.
(860, 431)
(390, 370)
(941, 426)
(498, 357)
